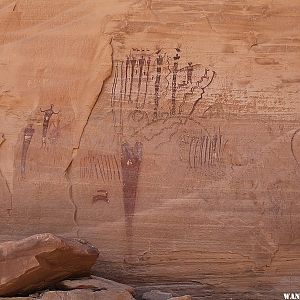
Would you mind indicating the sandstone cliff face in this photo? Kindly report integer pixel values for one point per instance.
(165, 132)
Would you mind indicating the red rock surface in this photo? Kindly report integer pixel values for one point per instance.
(93, 283)
(182, 298)
(156, 295)
(190, 177)
(79, 295)
(40, 261)
(87, 295)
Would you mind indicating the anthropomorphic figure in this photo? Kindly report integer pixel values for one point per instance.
(189, 72)
(130, 162)
(174, 83)
(27, 137)
(159, 63)
(102, 196)
(47, 116)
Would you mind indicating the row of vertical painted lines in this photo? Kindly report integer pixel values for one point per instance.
(205, 151)
(104, 167)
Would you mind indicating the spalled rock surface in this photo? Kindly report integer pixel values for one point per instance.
(79, 295)
(41, 260)
(181, 298)
(20, 298)
(156, 295)
(87, 295)
(166, 132)
(94, 283)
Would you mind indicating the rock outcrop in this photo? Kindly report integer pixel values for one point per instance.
(159, 295)
(181, 298)
(156, 295)
(87, 295)
(42, 260)
(93, 283)
(79, 295)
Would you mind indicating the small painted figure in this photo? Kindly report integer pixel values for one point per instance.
(141, 63)
(28, 134)
(103, 196)
(174, 82)
(133, 63)
(189, 72)
(159, 62)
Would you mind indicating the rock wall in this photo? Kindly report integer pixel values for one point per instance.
(166, 132)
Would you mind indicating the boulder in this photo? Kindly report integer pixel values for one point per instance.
(79, 295)
(19, 298)
(87, 295)
(41, 260)
(187, 297)
(93, 283)
(156, 295)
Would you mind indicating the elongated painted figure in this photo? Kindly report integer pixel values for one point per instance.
(28, 134)
(47, 116)
(130, 161)
(159, 62)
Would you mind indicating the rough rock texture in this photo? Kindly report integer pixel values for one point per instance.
(93, 283)
(156, 295)
(41, 260)
(80, 295)
(172, 142)
(87, 295)
(19, 298)
(182, 298)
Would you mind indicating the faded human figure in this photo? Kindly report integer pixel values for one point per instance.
(27, 137)
(131, 158)
(47, 116)
(191, 84)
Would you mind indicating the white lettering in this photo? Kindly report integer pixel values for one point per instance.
(292, 296)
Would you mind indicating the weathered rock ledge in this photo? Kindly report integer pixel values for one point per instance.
(46, 267)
